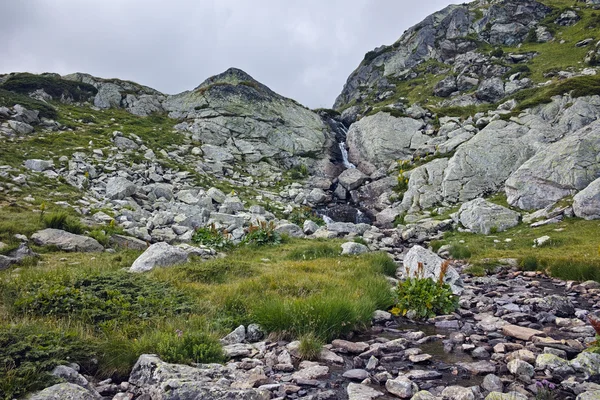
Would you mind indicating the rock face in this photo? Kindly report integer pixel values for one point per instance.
(586, 204)
(446, 37)
(64, 391)
(381, 139)
(66, 241)
(481, 216)
(432, 267)
(561, 169)
(159, 255)
(251, 122)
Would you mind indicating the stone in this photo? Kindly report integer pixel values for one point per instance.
(311, 372)
(401, 387)
(520, 332)
(492, 383)
(66, 241)
(479, 367)
(357, 391)
(309, 227)
(127, 242)
(159, 255)
(39, 165)
(586, 203)
(590, 395)
(380, 316)
(457, 393)
(65, 391)
(381, 139)
(554, 364)
(356, 374)
(481, 216)
(20, 128)
(432, 267)
(352, 178)
(216, 195)
(292, 230)
(330, 357)
(119, 188)
(520, 368)
(238, 335)
(316, 196)
(505, 396)
(254, 333)
(423, 395)
(586, 362)
(558, 170)
(350, 347)
(353, 248)
(490, 90)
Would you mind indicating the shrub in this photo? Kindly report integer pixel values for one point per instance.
(262, 234)
(298, 171)
(30, 352)
(212, 237)
(460, 252)
(98, 299)
(188, 347)
(63, 221)
(424, 296)
(310, 347)
(213, 271)
(318, 250)
(300, 214)
(529, 263)
(497, 52)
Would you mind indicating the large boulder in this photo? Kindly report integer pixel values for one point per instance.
(481, 216)
(118, 188)
(432, 268)
(159, 255)
(352, 178)
(64, 391)
(160, 380)
(39, 165)
(586, 204)
(558, 170)
(66, 241)
(381, 139)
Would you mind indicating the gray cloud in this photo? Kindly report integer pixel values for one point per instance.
(301, 49)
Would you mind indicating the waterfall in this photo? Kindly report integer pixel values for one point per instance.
(342, 144)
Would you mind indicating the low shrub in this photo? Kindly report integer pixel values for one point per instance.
(300, 214)
(213, 271)
(425, 297)
(31, 351)
(382, 263)
(212, 237)
(63, 221)
(97, 299)
(262, 234)
(529, 263)
(460, 252)
(298, 171)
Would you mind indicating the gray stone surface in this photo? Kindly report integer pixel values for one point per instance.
(586, 204)
(352, 248)
(64, 391)
(159, 255)
(432, 264)
(39, 165)
(66, 241)
(119, 188)
(481, 216)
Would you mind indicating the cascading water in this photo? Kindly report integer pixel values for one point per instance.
(342, 143)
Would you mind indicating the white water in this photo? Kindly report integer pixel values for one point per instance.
(344, 151)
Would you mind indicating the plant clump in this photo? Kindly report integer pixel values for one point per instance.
(212, 237)
(424, 297)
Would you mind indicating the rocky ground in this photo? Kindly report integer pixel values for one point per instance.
(515, 336)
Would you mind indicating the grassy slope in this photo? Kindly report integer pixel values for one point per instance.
(324, 295)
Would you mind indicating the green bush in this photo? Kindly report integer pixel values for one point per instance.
(425, 297)
(318, 250)
(529, 263)
(29, 352)
(181, 347)
(212, 237)
(301, 214)
(262, 234)
(460, 252)
(97, 299)
(63, 221)
(298, 172)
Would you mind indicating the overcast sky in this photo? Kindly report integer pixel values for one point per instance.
(301, 49)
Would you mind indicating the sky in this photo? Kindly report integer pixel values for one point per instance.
(304, 50)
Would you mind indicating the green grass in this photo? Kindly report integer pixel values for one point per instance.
(178, 312)
(9, 99)
(572, 253)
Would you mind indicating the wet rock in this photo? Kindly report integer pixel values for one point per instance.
(356, 374)
(350, 347)
(520, 368)
(352, 178)
(401, 387)
(457, 393)
(361, 392)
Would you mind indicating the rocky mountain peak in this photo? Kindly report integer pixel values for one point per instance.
(232, 76)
